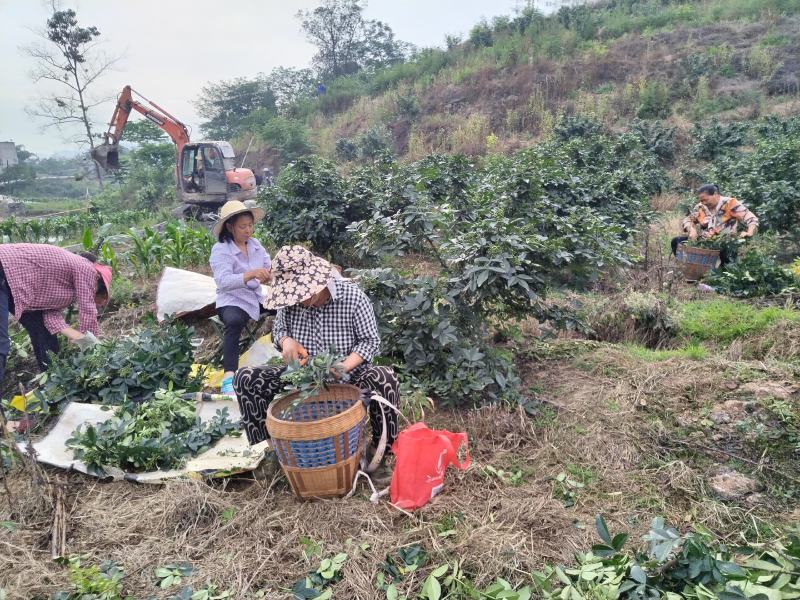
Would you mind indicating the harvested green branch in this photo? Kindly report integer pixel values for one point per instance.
(312, 377)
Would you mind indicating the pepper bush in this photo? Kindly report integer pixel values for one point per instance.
(497, 236)
(490, 239)
(766, 179)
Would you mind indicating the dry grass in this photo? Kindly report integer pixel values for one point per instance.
(605, 418)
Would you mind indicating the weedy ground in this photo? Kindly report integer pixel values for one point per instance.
(611, 428)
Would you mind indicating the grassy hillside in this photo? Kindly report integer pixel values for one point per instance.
(507, 84)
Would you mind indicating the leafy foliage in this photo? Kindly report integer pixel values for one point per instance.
(315, 584)
(307, 204)
(313, 376)
(93, 582)
(159, 433)
(121, 370)
(767, 179)
(675, 566)
(714, 139)
(224, 105)
(178, 245)
(577, 126)
(752, 276)
(347, 42)
(289, 137)
(170, 575)
(495, 238)
(655, 137)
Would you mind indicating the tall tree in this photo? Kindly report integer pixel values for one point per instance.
(291, 85)
(347, 42)
(226, 104)
(70, 60)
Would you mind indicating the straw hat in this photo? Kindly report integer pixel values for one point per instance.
(296, 276)
(232, 208)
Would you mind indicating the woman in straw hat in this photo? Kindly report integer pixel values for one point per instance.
(317, 310)
(37, 282)
(240, 265)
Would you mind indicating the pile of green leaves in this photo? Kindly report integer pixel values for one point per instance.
(676, 566)
(117, 371)
(753, 276)
(157, 434)
(728, 244)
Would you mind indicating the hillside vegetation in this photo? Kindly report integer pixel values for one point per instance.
(507, 84)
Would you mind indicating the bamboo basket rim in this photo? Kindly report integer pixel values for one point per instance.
(337, 424)
(694, 250)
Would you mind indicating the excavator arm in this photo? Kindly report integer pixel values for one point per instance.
(107, 154)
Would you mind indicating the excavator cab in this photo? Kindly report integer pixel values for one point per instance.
(203, 168)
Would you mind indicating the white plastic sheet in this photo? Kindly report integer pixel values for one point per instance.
(182, 293)
(228, 456)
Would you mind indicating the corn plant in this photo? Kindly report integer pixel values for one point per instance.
(146, 254)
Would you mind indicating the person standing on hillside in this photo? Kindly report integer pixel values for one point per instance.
(37, 282)
(240, 265)
(714, 215)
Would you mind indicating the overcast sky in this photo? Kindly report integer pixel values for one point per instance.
(171, 48)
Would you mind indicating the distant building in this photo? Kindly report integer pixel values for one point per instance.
(8, 155)
(548, 7)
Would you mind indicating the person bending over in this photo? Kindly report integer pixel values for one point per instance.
(715, 215)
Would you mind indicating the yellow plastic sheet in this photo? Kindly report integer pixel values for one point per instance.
(212, 378)
(259, 353)
(21, 402)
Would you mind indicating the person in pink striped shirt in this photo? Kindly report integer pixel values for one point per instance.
(37, 282)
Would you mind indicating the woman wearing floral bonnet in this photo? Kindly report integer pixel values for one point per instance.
(317, 309)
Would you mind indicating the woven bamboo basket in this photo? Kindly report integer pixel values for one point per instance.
(320, 441)
(696, 262)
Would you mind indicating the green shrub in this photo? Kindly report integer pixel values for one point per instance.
(655, 137)
(713, 139)
(579, 126)
(766, 179)
(373, 143)
(308, 204)
(407, 106)
(481, 35)
(654, 100)
(288, 136)
(753, 276)
(726, 320)
(346, 149)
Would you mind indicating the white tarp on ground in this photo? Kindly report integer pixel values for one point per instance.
(228, 456)
(183, 292)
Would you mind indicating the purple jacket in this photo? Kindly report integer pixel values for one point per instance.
(229, 265)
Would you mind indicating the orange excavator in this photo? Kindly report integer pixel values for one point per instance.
(206, 171)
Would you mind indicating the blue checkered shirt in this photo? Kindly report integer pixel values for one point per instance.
(347, 322)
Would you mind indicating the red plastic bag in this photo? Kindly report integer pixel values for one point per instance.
(422, 456)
